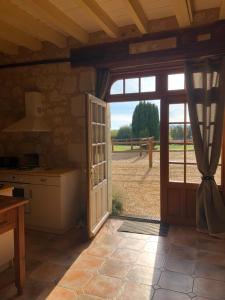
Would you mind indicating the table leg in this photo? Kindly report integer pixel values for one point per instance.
(19, 250)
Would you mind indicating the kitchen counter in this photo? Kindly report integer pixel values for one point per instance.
(54, 204)
(8, 203)
(38, 171)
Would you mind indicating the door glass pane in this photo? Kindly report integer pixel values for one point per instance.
(192, 174)
(99, 153)
(117, 87)
(190, 154)
(176, 153)
(103, 152)
(95, 175)
(189, 137)
(99, 114)
(94, 134)
(176, 113)
(101, 171)
(103, 134)
(175, 82)
(94, 112)
(103, 115)
(94, 153)
(176, 172)
(98, 133)
(187, 114)
(131, 85)
(176, 134)
(148, 84)
(190, 151)
(104, 171)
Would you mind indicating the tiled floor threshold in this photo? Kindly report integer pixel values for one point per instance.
(122, 266)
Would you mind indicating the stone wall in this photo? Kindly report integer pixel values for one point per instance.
(64, 90)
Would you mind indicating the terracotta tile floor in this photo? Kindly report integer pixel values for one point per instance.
(121, 266)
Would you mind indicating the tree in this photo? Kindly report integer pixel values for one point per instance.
(114, 133)
(124, 132)
(177, 132)
(189, 132)
(145, 120)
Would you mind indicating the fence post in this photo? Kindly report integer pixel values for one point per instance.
(150, 150)
(131, 144)
(140, 146)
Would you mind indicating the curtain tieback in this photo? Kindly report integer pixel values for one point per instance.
(207, 177)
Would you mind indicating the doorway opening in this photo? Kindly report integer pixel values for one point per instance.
(135, 137)
(172, 154)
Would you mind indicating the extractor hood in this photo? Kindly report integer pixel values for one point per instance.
(34, 120)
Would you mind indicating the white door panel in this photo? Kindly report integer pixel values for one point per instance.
(97, 164)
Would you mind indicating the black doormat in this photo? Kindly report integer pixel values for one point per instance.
(151, 228)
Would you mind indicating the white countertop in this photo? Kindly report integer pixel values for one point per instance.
(38, 171)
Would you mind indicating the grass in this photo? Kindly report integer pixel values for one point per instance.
(120, 148)
(124, 148)
(117, 204)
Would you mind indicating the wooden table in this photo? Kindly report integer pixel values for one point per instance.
(12, 217)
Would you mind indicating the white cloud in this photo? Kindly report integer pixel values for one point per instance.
(119, 120)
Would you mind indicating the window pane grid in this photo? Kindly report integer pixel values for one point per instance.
(186, 161)
(133, 85)
(175, 82)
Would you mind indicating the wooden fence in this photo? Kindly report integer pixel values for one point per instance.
(144, 144)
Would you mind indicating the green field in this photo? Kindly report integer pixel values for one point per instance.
(120, 148)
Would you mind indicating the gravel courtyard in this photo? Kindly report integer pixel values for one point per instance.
(138, 187)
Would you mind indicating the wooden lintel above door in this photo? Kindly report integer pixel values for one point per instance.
(159, 47)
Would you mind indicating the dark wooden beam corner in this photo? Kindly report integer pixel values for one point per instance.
(190, 43)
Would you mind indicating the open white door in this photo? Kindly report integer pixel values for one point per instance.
(97, 164)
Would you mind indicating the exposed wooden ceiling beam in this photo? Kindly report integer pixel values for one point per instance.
(222, 10)
(38, 13)
(99, 15)
(183, 12)
(138, 15)
(50, 14)
(8, 48)
(16, 36)
(13, 15)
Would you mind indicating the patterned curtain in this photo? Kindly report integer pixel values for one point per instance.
(205, 84)
(102, 83)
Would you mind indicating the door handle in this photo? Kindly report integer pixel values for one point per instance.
(92, 173)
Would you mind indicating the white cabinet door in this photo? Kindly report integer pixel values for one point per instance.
(44, 207)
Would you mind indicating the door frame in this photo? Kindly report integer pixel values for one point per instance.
(164, 95)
